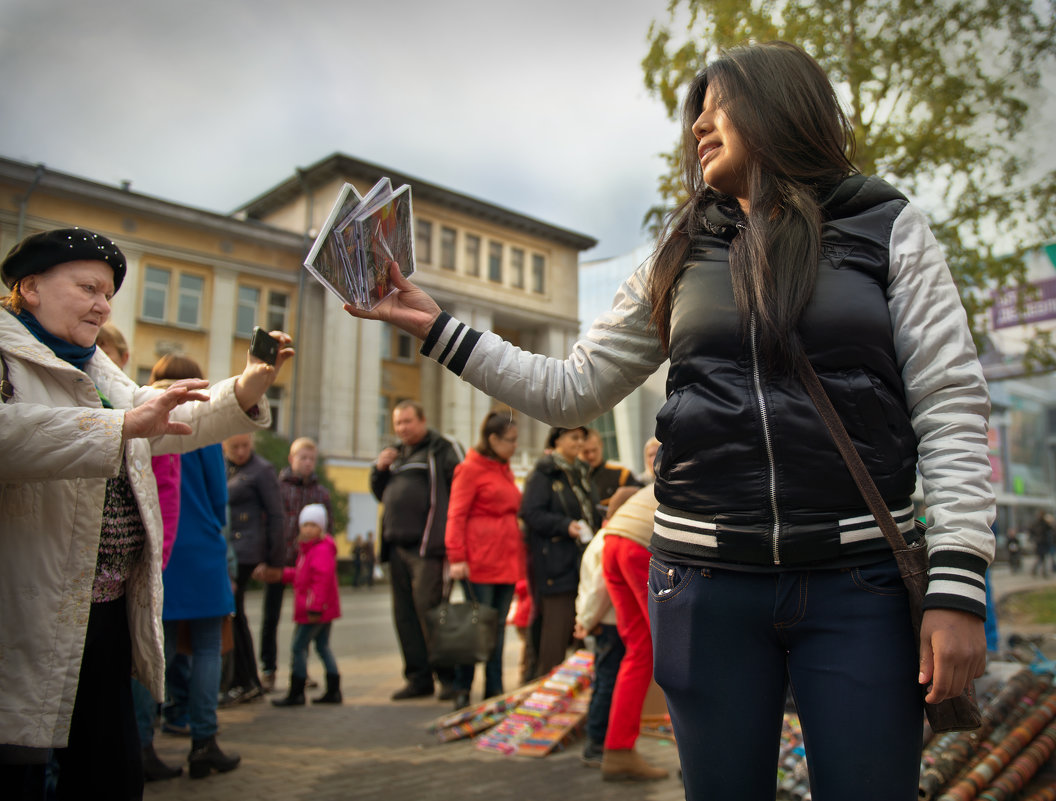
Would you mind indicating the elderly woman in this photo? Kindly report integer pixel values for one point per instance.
(80, 528)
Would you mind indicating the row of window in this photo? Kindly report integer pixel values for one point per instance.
(190, 289)
(472, 256)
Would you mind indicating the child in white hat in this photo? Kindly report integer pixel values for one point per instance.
(315, 604)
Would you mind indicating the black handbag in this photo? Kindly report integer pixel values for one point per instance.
(461, 633)
(953, 714)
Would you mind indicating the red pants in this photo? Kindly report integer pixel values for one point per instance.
(625, 564)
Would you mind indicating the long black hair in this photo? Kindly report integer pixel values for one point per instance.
(800, 146)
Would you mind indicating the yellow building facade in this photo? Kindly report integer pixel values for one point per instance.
(199, 281)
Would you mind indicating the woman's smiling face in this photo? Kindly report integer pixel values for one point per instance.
(720, 149)
(71, 300)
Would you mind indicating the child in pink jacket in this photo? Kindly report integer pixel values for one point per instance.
(315, 605)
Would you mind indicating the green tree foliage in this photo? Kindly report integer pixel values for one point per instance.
(939, 93)
(276, 449)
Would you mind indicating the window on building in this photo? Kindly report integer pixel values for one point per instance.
(278, 311)
(155, 293)
(517, 268)
(538, 273)
(606, 428)
(275, 396)
(246, 312)
(495, 262)
(385, 434)
(472, 255)
(189, 305)
(423, 241)
(447, 248)
(404, 347)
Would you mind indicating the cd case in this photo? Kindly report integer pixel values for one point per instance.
(351, 255)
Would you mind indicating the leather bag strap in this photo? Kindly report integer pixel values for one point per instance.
(859, 471)
(6, 390)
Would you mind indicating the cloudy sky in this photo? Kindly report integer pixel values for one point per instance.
(536, 106)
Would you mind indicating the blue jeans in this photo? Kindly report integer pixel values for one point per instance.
(303, 636)
(192, 683)
(498, 597)
(608, 653)
(146, 712)
(727, 645)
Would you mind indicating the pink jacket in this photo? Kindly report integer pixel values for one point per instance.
(167, 474)
(314, 581)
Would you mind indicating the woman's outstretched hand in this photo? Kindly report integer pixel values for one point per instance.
(408, 308)
(151, 419)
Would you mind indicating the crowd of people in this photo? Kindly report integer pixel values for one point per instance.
(783, 261)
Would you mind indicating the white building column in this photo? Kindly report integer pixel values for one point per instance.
(462, 406)
(340, 365)
(222, 323)
(366, 368)
(126, 301)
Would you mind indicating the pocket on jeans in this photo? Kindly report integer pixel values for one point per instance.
(666, 581)
(881, 578)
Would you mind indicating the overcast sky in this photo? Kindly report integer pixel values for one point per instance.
(535, 106)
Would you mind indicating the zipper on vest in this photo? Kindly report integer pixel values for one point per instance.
(775, 531)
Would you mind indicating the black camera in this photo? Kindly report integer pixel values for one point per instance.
(264, 346)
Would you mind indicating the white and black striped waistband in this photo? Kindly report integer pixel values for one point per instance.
(736, 539)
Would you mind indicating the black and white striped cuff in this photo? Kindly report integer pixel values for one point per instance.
(957, 580)
(450, 342)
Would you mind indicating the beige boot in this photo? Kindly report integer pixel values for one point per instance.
(626, 764)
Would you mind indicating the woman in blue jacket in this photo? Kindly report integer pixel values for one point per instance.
(198, 595)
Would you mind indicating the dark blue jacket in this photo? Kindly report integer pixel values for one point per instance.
(256, 513)
(196, 579)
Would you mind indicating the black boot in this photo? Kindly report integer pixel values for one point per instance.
(206, 757)
(333, 690)
(154, 769)
(295, 697)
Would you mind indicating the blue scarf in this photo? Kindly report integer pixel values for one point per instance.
(67, 351)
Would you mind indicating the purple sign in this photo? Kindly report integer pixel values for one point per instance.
(1041, 305)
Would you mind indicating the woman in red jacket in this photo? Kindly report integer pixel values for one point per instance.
(484, 544)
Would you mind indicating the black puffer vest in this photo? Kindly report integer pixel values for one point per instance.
(748, 474)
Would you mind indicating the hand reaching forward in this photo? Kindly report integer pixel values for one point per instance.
(952, 652)
(266, 573)
(258, 376)
(408, 308)
(151, 419)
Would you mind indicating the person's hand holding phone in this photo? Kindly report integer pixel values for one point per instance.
(259, 375)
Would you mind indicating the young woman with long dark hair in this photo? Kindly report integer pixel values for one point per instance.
(768, 572)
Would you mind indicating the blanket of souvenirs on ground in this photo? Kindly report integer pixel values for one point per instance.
(1009, 758)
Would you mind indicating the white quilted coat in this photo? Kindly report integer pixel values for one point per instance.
(58, 446)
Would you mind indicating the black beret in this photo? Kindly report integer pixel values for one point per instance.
(40, 252)
(551, 438)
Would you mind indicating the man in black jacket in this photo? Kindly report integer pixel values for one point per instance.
(606, 476)
(413, 482)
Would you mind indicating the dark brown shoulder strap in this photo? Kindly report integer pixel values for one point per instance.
(6, 390)
(850, 455)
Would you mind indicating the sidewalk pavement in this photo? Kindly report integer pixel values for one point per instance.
(374, 749)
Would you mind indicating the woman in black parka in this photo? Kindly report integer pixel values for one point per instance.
(558, 509)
